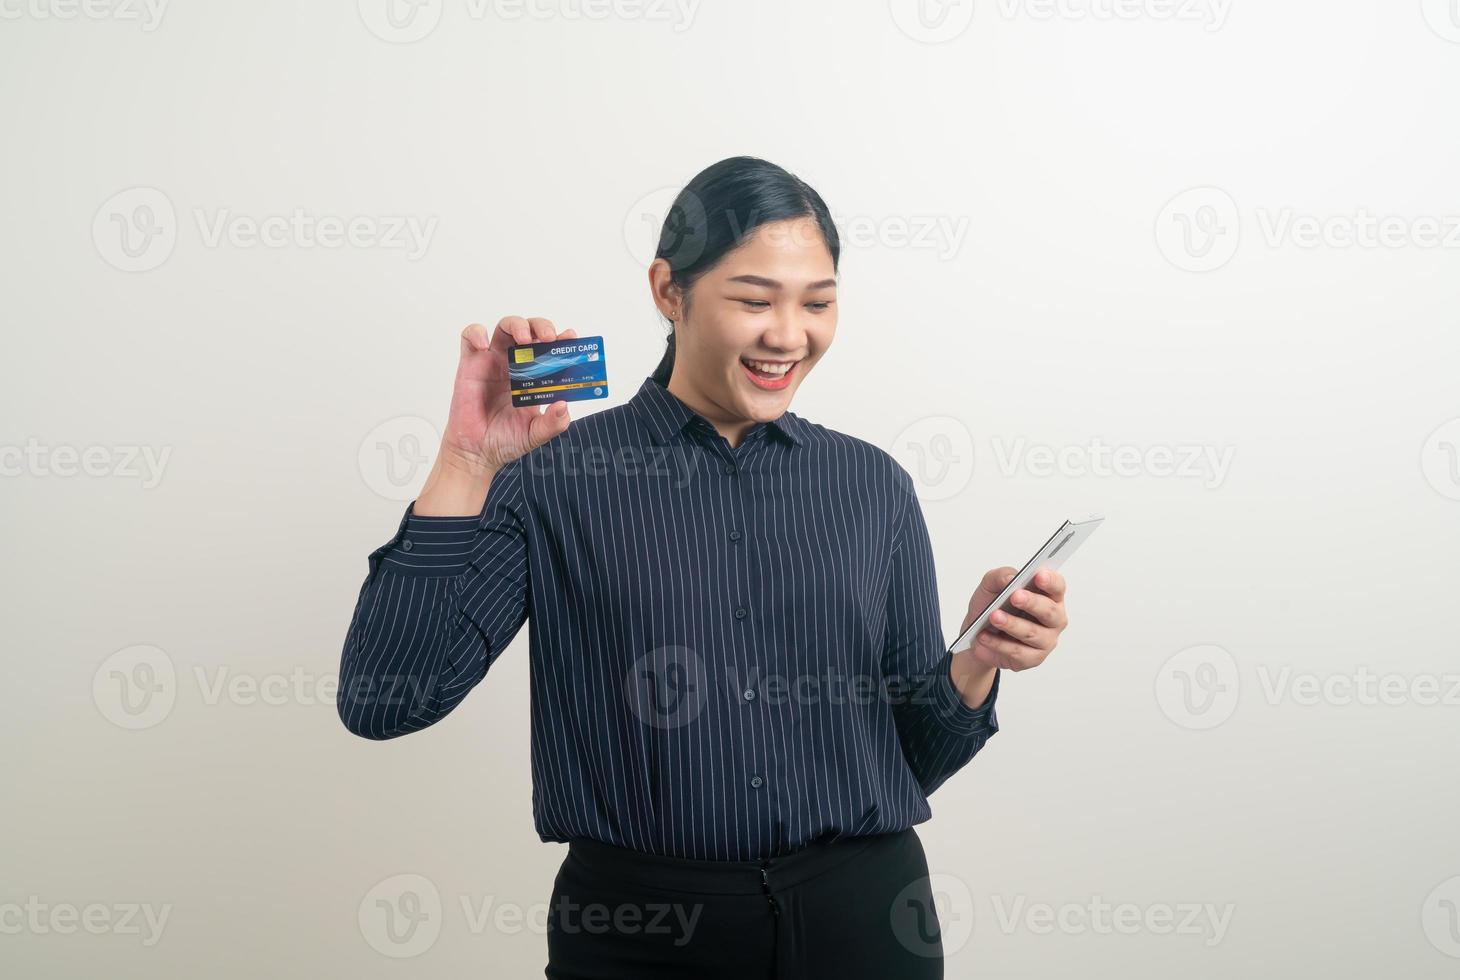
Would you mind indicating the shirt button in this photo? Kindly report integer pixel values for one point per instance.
(740, 613)
(734, 535)
(749, 694)
(756, 781)
(730, 468)
(406, 545)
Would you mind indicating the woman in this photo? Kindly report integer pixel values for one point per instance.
(741, 695)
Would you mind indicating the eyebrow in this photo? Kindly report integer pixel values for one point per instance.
(773, 284)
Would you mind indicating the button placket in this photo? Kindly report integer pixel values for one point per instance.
(742, 563)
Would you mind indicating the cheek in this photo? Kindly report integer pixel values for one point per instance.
(714, 342)
(821, 336)
(738, 339)
(725, 334)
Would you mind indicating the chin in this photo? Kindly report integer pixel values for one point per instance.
(763, 406)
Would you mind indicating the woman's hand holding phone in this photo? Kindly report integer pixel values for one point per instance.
(1013, 642)
(484, 431)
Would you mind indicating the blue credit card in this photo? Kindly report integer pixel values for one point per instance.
(568, 370)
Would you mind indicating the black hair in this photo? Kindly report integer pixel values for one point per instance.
(716, 213)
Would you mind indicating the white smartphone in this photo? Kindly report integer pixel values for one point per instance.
(1061, 545)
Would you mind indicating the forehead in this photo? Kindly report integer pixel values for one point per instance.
(794, 247)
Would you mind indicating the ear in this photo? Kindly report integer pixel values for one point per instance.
(665, 293)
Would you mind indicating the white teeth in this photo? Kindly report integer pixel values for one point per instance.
(769, 367)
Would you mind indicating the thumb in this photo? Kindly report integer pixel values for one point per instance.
(989, 588)
(548, 424)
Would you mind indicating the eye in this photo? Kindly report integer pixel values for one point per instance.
(756, 304)
(820, 306)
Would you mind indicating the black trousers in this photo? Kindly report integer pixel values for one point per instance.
(852, 909)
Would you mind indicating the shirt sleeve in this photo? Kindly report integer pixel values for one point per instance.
(939, 733)
(443, 598)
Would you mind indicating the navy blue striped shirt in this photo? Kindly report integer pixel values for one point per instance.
(734, 651)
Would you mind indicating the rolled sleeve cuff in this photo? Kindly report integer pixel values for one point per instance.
(953, 713)
(430, 546)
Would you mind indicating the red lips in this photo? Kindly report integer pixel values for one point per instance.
(766, 382)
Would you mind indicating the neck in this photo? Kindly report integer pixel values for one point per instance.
(733, 429)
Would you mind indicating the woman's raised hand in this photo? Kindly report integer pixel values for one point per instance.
(484, 432)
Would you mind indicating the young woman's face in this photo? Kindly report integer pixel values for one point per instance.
(756, 324)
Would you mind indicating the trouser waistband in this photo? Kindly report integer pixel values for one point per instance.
(722, 877)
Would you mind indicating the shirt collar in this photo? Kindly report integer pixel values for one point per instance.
(665, 415)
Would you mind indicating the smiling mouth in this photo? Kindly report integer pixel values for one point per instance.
(770, 375)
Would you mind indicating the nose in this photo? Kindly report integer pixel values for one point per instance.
(786, 333)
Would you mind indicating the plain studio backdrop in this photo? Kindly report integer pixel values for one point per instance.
(1189, 264)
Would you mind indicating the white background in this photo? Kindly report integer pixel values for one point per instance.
(1096, 220)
